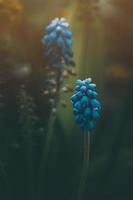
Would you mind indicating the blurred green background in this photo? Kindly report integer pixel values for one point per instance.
(103, 48)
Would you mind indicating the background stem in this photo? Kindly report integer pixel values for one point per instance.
(5, 177)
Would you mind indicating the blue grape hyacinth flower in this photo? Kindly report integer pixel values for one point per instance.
(58, 39)
(86, 107)
(59, 57)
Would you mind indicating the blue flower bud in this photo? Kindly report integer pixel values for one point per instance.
(95, 114)
(79, 82)
(79, 95)
(66, 33)
(60, 41)
(91, 93)
(74, 98)
(84, 83)
(68, 43)
(95, 103)
(51, 27)
(87, 112)
(83, 88)
(77, 88)
(75, 111)
(84, 101)
(53, 35)
(77, 105)
(46, 39)
(92, 86)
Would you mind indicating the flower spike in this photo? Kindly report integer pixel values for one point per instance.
(59, 56)
(85, 105)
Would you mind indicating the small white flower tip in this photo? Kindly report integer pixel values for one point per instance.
(89, 79)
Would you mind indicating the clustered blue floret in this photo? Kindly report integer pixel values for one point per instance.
(86, 107)
(58, 39)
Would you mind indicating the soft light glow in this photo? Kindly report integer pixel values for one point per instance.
(107, 8)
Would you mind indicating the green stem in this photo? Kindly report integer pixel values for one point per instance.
(84, 171)
(49, 134)
(45, 154)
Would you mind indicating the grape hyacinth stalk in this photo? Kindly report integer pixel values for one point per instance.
(86, 110)
(59, 56)
(60, 65)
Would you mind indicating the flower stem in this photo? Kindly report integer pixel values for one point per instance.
(45, 154)
(84, 171)
(51, 123)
